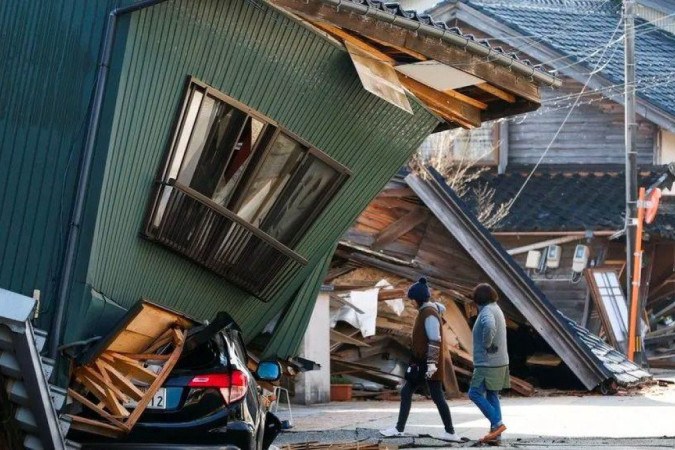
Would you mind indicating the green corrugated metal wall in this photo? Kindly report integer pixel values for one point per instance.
(277, 67)
(48, 56)
(290, 330)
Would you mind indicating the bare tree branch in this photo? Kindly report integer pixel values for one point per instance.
(452, 155)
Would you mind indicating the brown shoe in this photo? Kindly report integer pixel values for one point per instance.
(494, 434)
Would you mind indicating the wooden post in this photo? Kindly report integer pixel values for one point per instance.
(633, 337)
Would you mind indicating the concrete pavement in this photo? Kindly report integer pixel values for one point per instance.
(649, 413)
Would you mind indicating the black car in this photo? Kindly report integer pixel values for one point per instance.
(210, 399)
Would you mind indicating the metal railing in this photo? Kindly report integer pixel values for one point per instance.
(209, 234)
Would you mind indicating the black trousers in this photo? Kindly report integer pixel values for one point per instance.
(436, 390)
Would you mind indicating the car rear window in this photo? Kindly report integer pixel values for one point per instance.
(205, 356)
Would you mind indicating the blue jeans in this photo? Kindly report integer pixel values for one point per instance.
(488, 403)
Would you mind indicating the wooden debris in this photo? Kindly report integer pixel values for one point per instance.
(116, 374)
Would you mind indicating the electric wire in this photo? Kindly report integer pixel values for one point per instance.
(560, 128)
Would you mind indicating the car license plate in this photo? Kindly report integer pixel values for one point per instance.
(158, 401)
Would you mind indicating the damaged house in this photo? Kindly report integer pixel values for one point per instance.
(418, 226)
(557, 171)
(208, 155)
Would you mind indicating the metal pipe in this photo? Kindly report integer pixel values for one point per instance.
(631, 156)
(451, 38)
(85, 169)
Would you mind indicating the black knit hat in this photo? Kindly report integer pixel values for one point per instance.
(419, 291)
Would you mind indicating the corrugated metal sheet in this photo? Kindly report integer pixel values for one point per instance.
(48, 53)
(290, 330)
(277, 67)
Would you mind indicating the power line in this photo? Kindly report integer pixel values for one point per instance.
(562, 125)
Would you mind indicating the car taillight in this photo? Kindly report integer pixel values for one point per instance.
(232, 386)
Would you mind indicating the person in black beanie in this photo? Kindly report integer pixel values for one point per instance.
(428, 355)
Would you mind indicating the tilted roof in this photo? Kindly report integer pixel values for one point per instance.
(589, 358)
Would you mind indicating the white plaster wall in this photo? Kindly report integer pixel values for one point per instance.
(314, 386)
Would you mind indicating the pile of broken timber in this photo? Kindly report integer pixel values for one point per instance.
(118, 378)
(382, 358)
(660, 341)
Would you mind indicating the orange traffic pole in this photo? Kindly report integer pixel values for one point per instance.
(633, 343)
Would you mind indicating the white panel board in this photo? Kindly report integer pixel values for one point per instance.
(438, 76)
(379, 78)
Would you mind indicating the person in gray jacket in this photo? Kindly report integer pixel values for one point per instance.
(490, 359)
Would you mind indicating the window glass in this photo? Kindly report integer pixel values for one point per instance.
(300, 200)
(238, 161)
(186, 131)
(243, 151)
(205, 117)
(224, 137)
(274, 172)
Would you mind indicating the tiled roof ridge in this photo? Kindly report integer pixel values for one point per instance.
(397, 10)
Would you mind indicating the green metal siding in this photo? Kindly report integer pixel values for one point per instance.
(265, 60)
(290, 330)
(48, 53)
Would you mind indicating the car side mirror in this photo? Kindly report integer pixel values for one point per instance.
(268, 371)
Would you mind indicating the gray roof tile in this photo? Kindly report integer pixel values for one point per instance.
(578, 28)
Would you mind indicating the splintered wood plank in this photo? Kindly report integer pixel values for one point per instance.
(344, 302)
(457, 322)
(400, 227)
(101, 411)
(95, 427)
(147, 356)
(123, 383)
(161, 377)
(161, 341)
(92, 383)
(344, 339)
(130, 367)
(101, 377)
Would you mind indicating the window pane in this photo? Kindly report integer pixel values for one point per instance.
(301, 200)
(205, 118)
(184, 136)
(239, 161)
(273, 174)
(220, 145)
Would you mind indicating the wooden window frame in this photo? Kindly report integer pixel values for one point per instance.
(166, 183)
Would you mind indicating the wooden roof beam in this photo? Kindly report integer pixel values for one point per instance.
(345, 36)
(449, 107)
(395, 36)
(499, 93)
(466, 99)
(400, 227)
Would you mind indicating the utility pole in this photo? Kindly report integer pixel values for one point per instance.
(631, 167)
